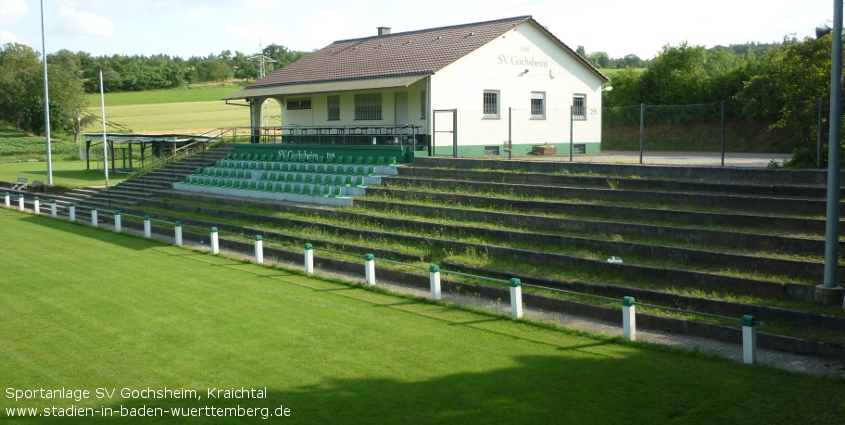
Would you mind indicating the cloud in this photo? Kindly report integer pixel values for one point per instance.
(81, 23)
(12, 11)
(262, 31)
(8, 37)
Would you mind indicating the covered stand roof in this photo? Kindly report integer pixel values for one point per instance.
(120, 138)
(384, 61)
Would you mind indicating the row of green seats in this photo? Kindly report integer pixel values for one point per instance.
(235, 174)
(273, 176)
(349, 181)
(300, 168)
(327, 159)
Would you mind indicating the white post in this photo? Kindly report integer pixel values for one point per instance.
(72, 212)
(177, 229)
(8, 201)
(370, 269)
(516, 298)
(309, 258)
(117, 221)
(215, 241)
(749, 340)
(434, 279)
(148, 231)
(629, 319)
(20, 202)
(105, 144)
(259, 250)
(94, 216)
(37, 205)
(53, 211)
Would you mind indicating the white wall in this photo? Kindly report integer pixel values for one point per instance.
(496, 66)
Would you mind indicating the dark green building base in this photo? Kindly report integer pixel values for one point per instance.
(291, 152)
(518, 149)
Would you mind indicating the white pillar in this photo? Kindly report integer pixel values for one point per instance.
(749, 340)
(259, 250)
(215, 241)
(148, 231)
(434, 279)
(370, 269)
(20, 202)
(177, 230)
(37, 205)
(516, 298)
(309, 258)
(72, 211)
(8, 201)
(53, 212)
(629, 319)
(117, 222)
(94, 216)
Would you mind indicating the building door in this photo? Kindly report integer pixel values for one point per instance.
(401, 105)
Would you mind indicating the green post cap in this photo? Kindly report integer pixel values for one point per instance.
(7, 193)
(748, 321)
(177, 224)
(146, 218)
(52, 201)
(36, 198)
(213, 230)
(72, 204)
(20, 195)
(434, 268)
(308, 246)
(93, 208)
(116, 212)
(514, 283)
(369, 257)
(257, 238)
(627, 301)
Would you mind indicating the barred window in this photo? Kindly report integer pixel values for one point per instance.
(298, 103)
(538, 104)
(368, 106)
(491, 104)
(422, 105)
(333, 103)
(579, 106)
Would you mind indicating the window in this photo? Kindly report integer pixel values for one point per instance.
(298, 103)
(422, 105)
(579, 106)
(333, 103)
(491, 104)
(368, 106)
(491, 150)
(538, 104)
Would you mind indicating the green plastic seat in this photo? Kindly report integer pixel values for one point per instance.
(371, 171)
(369, 160)
(263, 157)
(230, 183)
(268, 187)
(275, 166)
(337, 192)
(298, 178)
(263, 176)
(349, 159)
(361, 171)
(307, 179)
(306, 190)
(338, 181)
(359, 182)
(391, 160)
(297, 189)
(278, 188)
(339, 159)
(288, 188)
(318, 179)
(348, 182)
(329, 159)
(252, 185)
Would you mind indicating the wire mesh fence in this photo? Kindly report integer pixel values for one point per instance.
(701, 134)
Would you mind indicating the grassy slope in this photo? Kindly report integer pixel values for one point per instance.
(66, 173)
(200, 94)
(116, 311)
(154, 117)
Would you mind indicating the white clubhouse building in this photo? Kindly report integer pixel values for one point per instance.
(387, 88)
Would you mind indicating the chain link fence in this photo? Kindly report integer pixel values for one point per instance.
(702, 134)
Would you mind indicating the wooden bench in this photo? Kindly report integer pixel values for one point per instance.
(544, 150)
(21, 185)
(36, 186)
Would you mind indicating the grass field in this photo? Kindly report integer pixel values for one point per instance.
(113, 311)
(65, 173)
(197, 94)
(17, 145)
(190, 117)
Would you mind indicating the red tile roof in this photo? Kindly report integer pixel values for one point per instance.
(412, 52)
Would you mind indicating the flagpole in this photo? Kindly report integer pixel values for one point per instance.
(105, 150)
(46, 102)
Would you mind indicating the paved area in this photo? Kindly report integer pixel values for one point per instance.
(700, 159)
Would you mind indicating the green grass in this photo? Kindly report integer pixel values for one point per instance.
(122, 312)
(70, 174)
(194, 94)
(191, 117)
(16, 145)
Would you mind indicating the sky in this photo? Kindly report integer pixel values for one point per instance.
(201, 27)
